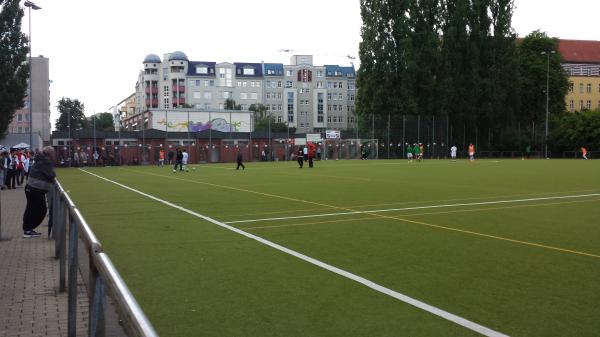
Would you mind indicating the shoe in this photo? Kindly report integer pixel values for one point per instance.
(31, 234)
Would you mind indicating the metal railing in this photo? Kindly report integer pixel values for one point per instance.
(68, 226)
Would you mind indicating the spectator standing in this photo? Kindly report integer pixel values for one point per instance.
(41, 179)
(300, 157)
(184, 160)
(178, 162)
(240, 159)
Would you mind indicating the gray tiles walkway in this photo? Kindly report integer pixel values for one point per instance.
(30, 304)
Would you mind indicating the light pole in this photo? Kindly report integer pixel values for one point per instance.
(31, 6)
(547, 98)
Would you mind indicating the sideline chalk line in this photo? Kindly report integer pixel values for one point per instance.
(415, 208)
(404, 298)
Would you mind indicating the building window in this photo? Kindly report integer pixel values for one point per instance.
(319, 73)
(208, 95)
(581, 88)
(588, 105)
(288, 73)
(351, 86)
(290, 106)
(320, 104)
(227, 94)
(288, 84)
(248, 71)
(19, 117)
(580, 105)
(201, 70)
(589, 88)
(197, 95)
(243, 95)
(253, 95)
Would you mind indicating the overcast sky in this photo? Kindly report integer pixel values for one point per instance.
(96, 48)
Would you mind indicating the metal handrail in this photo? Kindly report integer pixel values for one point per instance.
(68, 225)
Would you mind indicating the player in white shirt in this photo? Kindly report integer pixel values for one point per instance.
(453, 150)
(184, 160)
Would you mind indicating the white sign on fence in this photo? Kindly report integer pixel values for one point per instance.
(313, 137)
(332, 134)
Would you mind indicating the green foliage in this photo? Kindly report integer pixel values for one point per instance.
(231, 105)
(457, 58)
(259, 110)
(70, 111)
(263, 124)
(534, 67)
(14, 70)
(571, 131)
(104, 121)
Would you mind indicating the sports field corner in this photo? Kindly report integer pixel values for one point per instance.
(354, 248)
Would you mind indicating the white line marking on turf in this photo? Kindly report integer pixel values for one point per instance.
(406, 299)
(414, 208)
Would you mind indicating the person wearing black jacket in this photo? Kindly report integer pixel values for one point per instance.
(179, 161)
(240, 158)
(300, 157)
(41, 180)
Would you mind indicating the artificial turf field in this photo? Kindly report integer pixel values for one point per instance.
(508, 246)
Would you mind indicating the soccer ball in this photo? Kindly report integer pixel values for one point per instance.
(193, 169)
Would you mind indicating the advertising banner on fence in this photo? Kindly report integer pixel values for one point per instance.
(332, 134)
(313, 137)
(195, 121)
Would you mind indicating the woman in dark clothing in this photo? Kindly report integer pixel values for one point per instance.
(41, 179)
(300, 157)
(240, 158)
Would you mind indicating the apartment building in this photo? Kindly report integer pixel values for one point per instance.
(40, 111)
(582, 66)
(306, 97)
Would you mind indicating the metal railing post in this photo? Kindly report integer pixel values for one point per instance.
(62, 238)
(72, 288)
(96, 294)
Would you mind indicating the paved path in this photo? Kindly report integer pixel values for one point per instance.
(30, 304)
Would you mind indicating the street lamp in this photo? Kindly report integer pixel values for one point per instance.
(31, 6)
(547, 98)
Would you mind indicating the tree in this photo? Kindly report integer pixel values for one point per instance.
(571, 131)
(384, 79)
(14, 70)
(103, 121)
(231, 105)
(533, 70)
(263, 124)
(259, 110)
(72, 109)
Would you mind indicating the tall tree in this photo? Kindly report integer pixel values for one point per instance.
(534, 67)
(504, 70)
(384, 79)
(103, 121)
(426, 60)
(72, 110)
(14, 70)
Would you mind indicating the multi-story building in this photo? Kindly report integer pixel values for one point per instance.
(306, 97)
(40, 99)
(582, 65)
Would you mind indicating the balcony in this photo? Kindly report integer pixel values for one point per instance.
(153, 90)
(178, 88)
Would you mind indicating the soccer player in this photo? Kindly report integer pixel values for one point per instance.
(584, 153)
(161, 158)
(184, 160)
(409, 153)
(453, 150)
(417, 152)
(471, 152)
(421, 151)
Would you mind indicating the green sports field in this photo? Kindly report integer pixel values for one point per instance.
(354, 248)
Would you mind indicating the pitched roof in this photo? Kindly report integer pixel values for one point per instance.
(580, 51)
